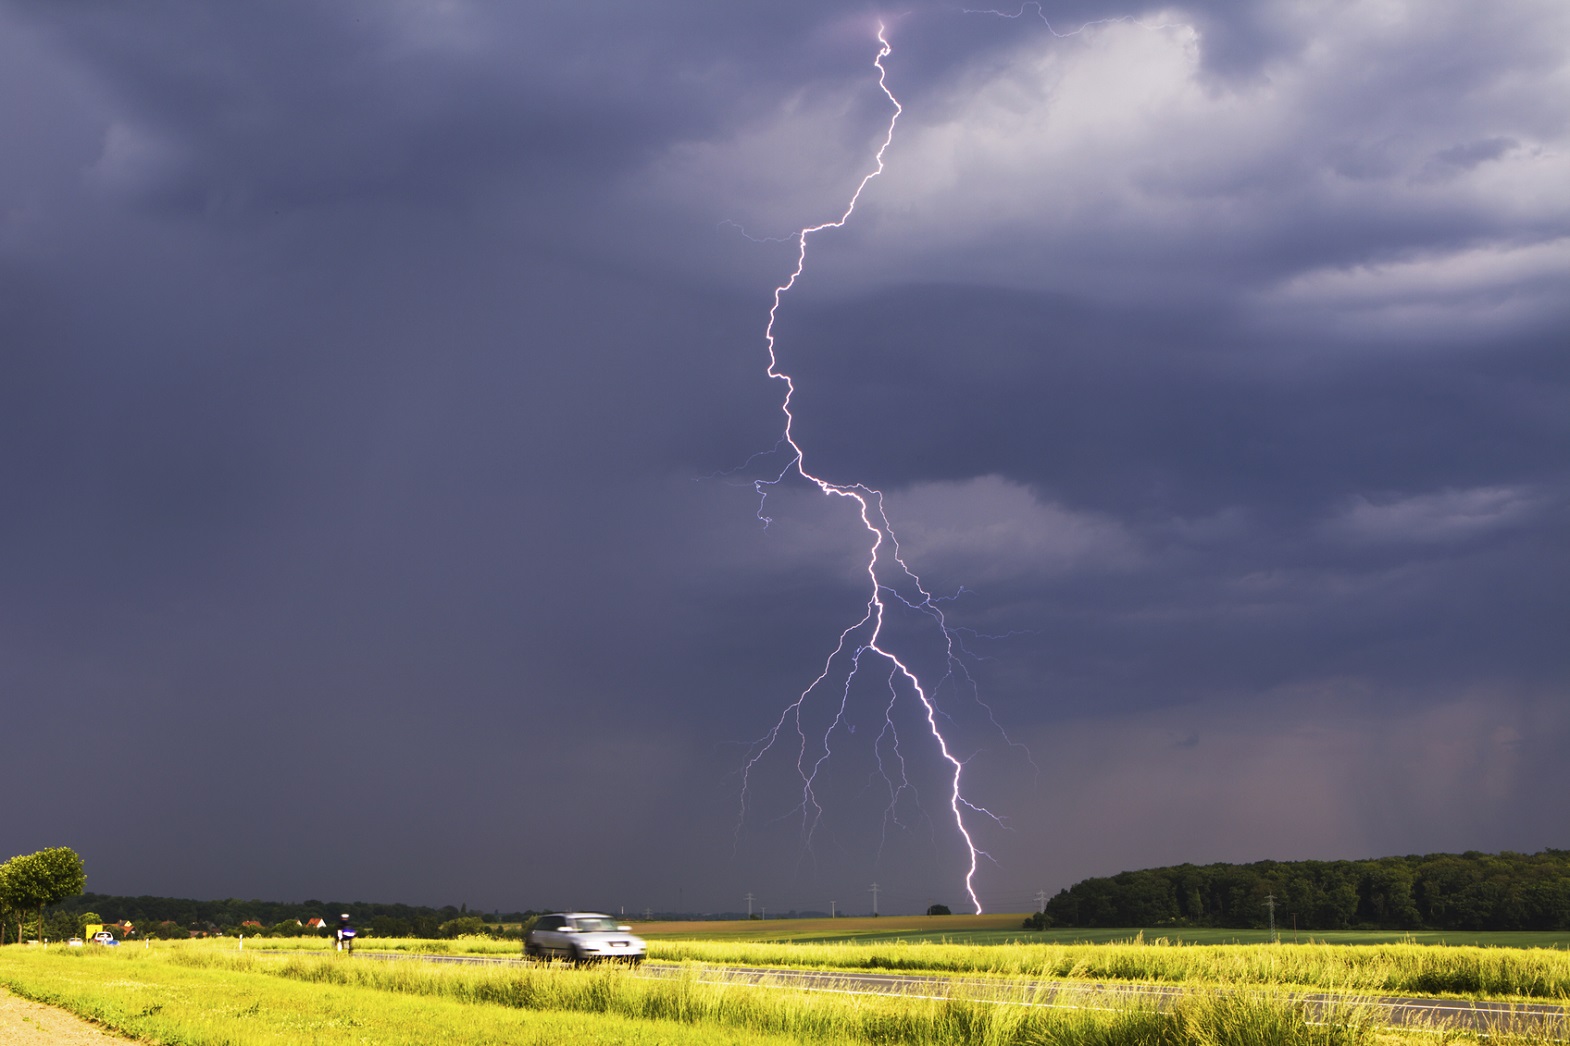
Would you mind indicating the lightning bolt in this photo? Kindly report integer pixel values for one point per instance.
(890, 581)
(863, 640)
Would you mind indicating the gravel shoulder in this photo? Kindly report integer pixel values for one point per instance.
(27, 1023)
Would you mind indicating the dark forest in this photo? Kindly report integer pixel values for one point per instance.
(1468, 891)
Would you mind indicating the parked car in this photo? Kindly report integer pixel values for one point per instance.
(582, 937)
(74, 942)
(105, 938)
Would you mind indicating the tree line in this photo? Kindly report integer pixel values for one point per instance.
(41, 897)
(1467, 891)
(183, 917)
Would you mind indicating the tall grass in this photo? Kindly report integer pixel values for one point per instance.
(831, 1016)
(1416, 969)
(204, 996)
(1408, 968)
(145, 996)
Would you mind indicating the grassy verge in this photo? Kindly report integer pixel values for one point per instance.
(206, 997)
(234, 1003)
(1498, 973)
(1411, 969)
(1006, 928)
(202, 996)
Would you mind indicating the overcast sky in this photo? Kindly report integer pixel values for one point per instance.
(383, 386)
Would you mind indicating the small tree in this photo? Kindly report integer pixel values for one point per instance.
(938, 909)
(167, 930)
(464, 926)
(1038, 921)
(37, 880)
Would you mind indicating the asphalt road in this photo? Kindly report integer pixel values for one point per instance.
(1549, 1019)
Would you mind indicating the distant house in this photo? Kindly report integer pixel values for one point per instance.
(316, 922)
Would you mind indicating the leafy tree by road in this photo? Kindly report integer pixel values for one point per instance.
(36, 880)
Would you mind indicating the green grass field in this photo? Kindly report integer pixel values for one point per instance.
(205, 997)
(161, 996)
(1005, 929)
(277, 991)
(1399, 969)
(1397, 965)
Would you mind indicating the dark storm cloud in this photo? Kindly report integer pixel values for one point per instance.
(1186, 407)
(379, 383)
(303, 105)
(254, 119)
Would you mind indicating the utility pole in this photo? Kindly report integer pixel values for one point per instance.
(1041, 900)
(1270, 903)
(831, 909)
(874, 889)
(763, 913)
(749, 904)
(648, 913)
